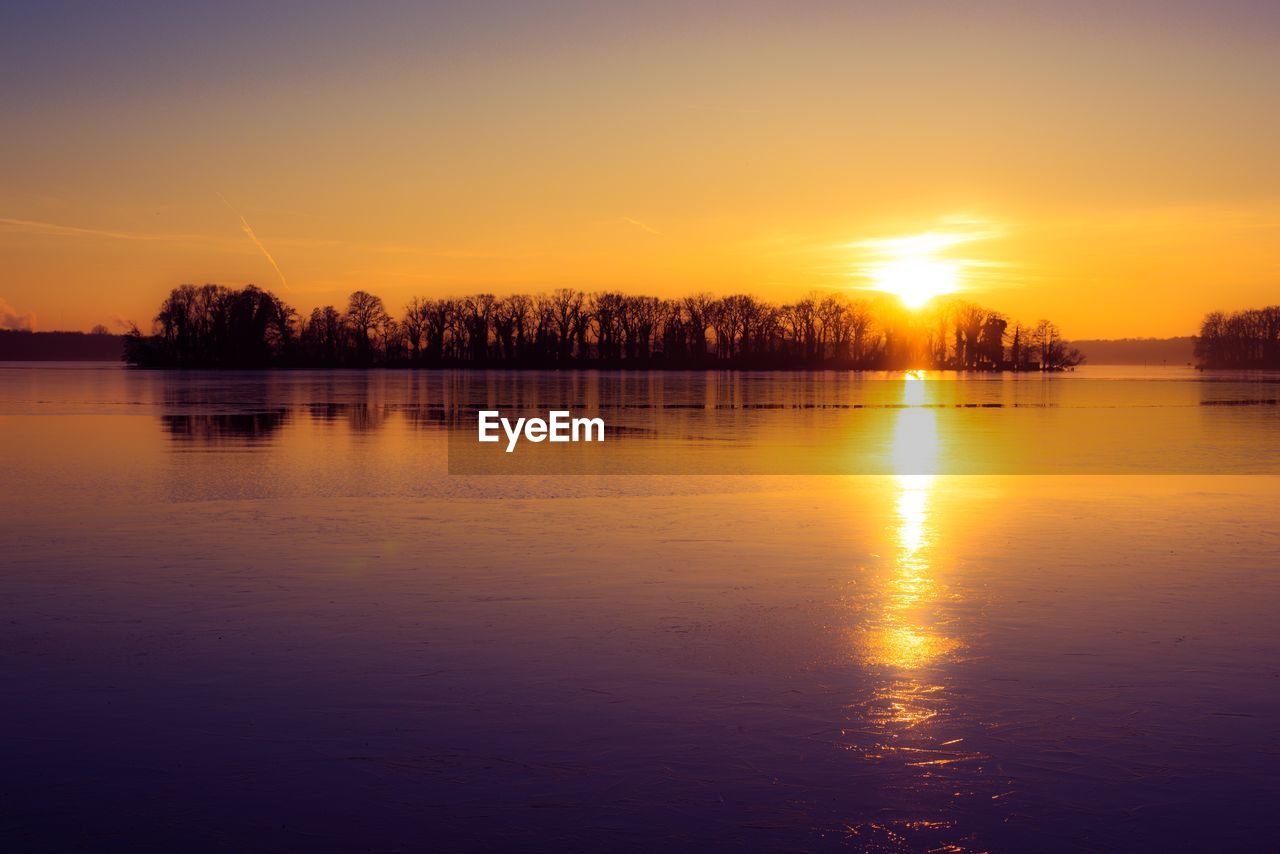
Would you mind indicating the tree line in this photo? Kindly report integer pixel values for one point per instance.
(213, 326)
(23, 345)
(1241, 339)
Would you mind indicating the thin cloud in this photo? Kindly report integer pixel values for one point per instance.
(714, 108)
(53, 229)
(925, 243)
(306, 245)
(398, 248)
(248, 230)
(638, 224)
(933, 248)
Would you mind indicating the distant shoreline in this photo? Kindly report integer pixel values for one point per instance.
(20, 345)
(1179, 350)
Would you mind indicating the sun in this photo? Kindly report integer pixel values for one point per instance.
(917, 268)
(915, 281)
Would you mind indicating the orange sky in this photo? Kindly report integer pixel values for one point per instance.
(1112, 167)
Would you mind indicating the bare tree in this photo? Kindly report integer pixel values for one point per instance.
(414, 326)
(366, 315)
(566, 306)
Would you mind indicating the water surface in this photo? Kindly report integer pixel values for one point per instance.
(256, 611)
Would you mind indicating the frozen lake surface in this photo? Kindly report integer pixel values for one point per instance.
(255, 611)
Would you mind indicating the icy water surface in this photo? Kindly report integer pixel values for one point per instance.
(256, 612)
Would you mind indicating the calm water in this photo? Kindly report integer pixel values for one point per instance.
(257, 612)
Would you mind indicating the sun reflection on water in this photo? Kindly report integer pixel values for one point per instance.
(902, 637)
(902, 641)
(910, 711)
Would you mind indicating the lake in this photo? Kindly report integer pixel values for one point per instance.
(772, 611)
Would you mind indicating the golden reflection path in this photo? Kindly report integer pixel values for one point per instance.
(901, 637)
(909, 705)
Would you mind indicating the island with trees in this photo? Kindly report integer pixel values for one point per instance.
(213, 326)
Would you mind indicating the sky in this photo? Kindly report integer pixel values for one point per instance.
(1111, 166)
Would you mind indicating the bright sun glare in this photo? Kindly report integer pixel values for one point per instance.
(914, 268)
(915, 281)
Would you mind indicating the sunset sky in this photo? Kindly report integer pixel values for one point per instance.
(1114, 166)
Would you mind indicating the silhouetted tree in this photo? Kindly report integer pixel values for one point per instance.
(366, 316)
(414, 325)
(1242, 339)
(1054, 354)
(214, 326)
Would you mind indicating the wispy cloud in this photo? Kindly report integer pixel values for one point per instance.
(53, 229)
(950, 232)
(638, 224)
(237, 245)
(248, 230)
(936, 255)
(11, 318)
(716, 108)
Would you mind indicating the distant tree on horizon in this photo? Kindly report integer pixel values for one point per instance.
(1242, 339)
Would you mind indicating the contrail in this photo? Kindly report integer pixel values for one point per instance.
(248, 230)
(638, 224)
